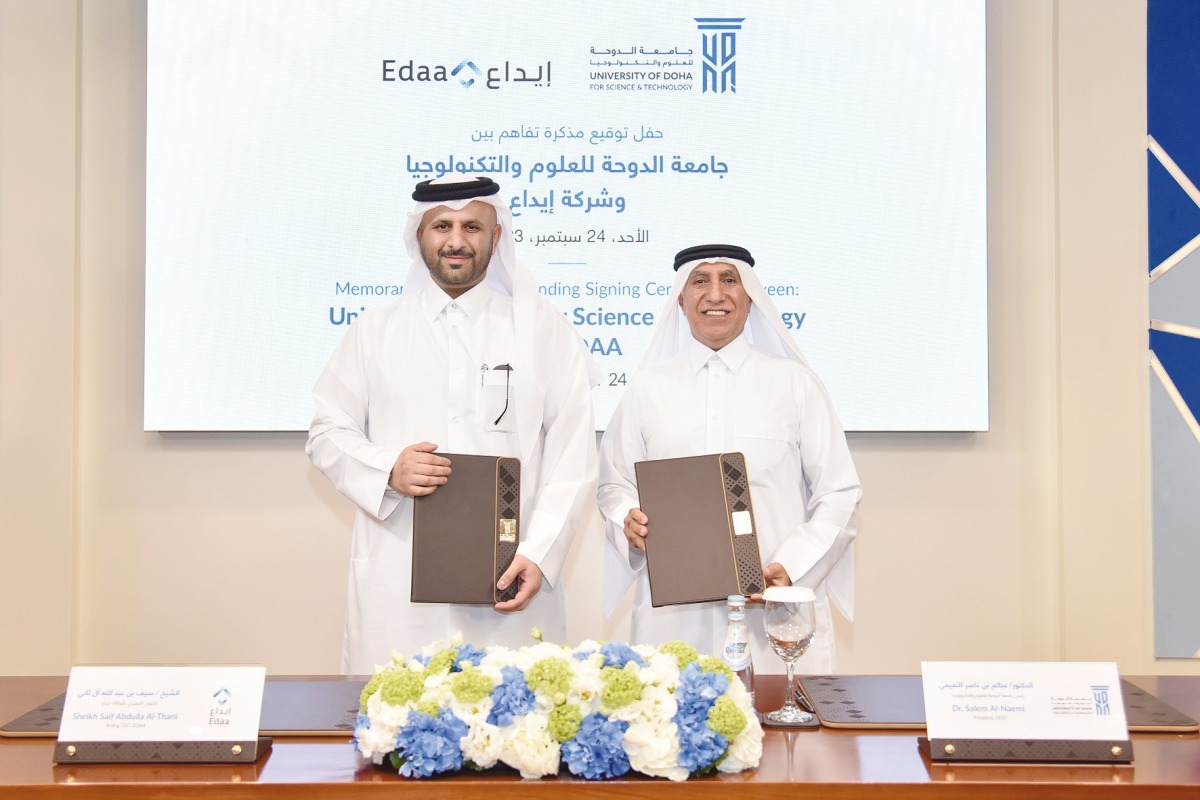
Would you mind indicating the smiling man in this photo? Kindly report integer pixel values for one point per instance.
(470, 359)
(722, 374)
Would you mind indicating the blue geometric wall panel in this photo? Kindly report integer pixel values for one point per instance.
(1176, 507)
(1172, 65)
(1173, 122)
(1174, 216)
(1173, 294)
(1180, 356)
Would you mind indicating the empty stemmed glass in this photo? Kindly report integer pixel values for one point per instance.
(789, 624)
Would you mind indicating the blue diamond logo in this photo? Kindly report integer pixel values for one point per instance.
(466, 64)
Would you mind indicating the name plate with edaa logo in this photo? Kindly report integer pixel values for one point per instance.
(1023, 711)
(162, 714)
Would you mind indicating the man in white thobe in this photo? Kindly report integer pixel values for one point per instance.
(470, 359)
(722, 374)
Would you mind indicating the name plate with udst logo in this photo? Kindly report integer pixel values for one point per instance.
(1022, 711)
(162, 714)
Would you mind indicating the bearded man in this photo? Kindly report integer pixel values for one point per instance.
(470, 359)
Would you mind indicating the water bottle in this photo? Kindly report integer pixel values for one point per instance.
(736, 653)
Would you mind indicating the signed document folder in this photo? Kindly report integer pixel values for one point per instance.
(702, 544)
(465, 534)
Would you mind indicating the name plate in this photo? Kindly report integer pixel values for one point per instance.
(1025, 711)
(161, 713)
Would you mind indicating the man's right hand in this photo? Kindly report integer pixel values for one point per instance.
(418, 471)
(635, 528)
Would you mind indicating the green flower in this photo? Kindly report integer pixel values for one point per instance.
(536, 633)
(684, 653)
(726, 718)
(564, 722)
(621, 687)
(402, 686)
(550, 677)
(713, 664)
(429, 707)
(470, 686)
(442, 661)
(369, 690)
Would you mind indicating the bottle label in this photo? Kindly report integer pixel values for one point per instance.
(737, 655)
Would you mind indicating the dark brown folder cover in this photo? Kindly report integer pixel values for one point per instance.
(702, 544)
(465, 533)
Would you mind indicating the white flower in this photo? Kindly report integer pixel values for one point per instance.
(483, 743)
(526, 657)
(653, 748)
(657, 702)
(377, 740)
(745, 751)
(499, 654)
(528, 747)
(386, 713)
(662, 668)
(586, 686)
(437, 691)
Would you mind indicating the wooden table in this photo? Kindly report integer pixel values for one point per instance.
(799, 765)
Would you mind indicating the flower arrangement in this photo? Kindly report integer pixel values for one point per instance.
(602, 709)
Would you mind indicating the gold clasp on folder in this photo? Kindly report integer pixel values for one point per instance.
(508, 530)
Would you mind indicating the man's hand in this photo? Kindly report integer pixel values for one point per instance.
(418, 471)
(531, 582)
(635, 528)
(775, 575)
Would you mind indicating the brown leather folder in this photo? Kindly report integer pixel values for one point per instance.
(702, 544)
(465, 534)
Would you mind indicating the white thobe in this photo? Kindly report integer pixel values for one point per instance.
(422, 369)
(803, 484)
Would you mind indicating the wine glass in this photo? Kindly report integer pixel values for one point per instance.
(789, 624)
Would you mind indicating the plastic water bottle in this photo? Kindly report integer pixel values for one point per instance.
(736, 653)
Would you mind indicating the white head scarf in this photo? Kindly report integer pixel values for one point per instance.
(764, 326)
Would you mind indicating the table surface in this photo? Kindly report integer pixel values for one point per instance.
(828, 763)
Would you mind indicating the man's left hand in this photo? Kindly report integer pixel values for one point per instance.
(531, 582)
(775, 575)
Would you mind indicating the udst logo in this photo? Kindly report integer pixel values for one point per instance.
(718, 43)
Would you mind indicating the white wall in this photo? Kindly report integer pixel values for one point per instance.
(1030, 541)
(38, 303)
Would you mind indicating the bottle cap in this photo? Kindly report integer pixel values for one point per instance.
(736, 598)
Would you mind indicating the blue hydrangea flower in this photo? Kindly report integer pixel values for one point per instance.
(429, 745)
(596, 752)
(511, 698)
(618, 655)
(424, 660)
(699, 745)
(361, 722)
(697, 691)
(468, 654)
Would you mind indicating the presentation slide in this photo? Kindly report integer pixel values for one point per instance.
(841, 141)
